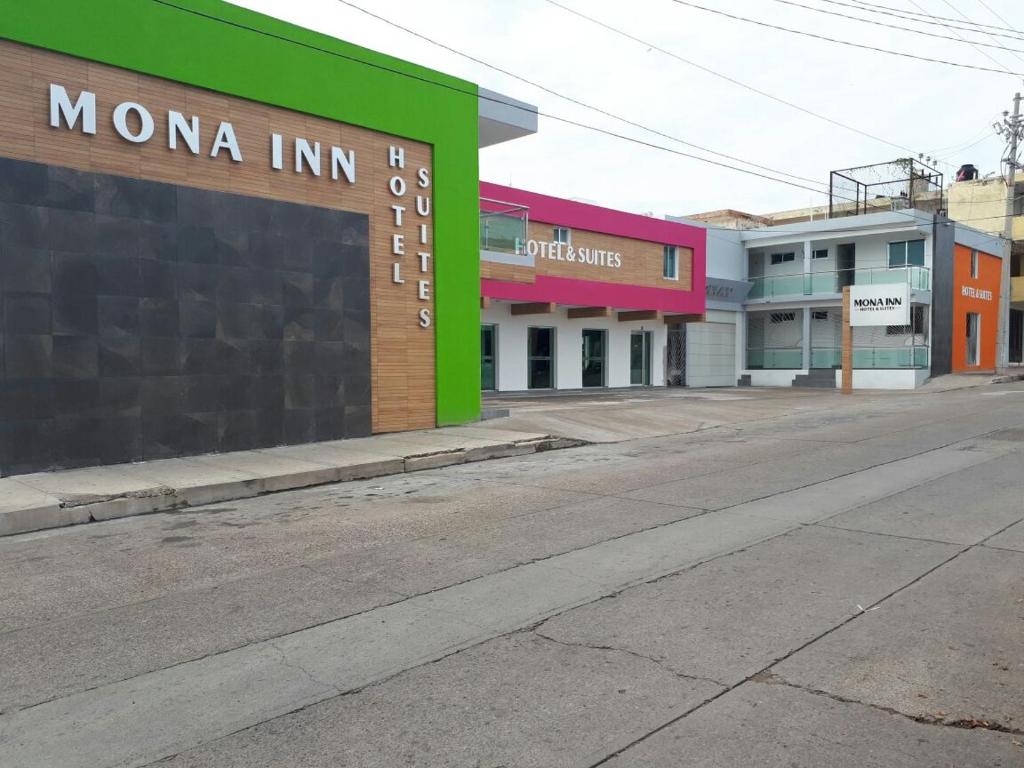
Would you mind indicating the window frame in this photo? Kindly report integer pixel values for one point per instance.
(974, 263)
(784, 257)
(674, 251)
(551, 357)
(788, 316)
(906, 253)
(556, 235)
(916, 327)
(815, 253)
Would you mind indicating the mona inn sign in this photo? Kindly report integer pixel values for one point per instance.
(880, 304)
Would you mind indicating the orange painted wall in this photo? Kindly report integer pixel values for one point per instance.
(989, 276)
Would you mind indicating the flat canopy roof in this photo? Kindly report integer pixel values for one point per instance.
(503, 118)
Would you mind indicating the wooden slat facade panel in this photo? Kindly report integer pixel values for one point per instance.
(511, 273)
(641, 260)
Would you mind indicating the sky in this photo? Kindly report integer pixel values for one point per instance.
(942, 111)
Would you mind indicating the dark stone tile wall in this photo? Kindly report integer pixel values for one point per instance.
(143, 320)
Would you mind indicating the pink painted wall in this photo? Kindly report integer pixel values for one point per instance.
(591, 293)
(594, 218)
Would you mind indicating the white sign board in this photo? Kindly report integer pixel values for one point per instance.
(880, 304)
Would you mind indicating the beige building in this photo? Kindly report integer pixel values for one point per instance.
(985, 204)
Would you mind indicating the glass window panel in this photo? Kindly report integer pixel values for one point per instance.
(898, 254)
(669, 268)
(915, 253)
(540, 342)
(540, 374)
(540, 358)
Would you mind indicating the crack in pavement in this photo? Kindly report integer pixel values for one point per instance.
(766, 670)
(309, 675)
(660, 662)
(964, 723)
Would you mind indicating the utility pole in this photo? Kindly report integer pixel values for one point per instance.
(1011, 128)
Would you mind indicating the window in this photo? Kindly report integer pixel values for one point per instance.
(974, 264)
(562, 235)
(595, 342)
(916, 327)
(540, 358)
(779, 258)
(820, 253)
(670, 262)
(819, 315)
(783, 317)
(973, 338)
(488, 356)
(906, 253)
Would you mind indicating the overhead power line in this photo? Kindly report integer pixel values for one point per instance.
(957, 39)
(889, 10)
(563, 96)
(992, 10)
(929, 19)
(976, 47)
(965, 18)
(672, 54)
(846, 42)
(475, 95)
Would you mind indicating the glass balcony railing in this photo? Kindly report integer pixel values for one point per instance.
(826, 357)
(832, 282)
(775, 358)
(503, 228)
(864, 358)
(890, 357)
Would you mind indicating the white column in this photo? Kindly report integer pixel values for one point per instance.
(807, 264)
(806, 338)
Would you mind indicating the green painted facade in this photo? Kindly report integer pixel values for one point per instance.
(221, 47)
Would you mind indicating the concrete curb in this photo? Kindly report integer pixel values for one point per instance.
(1007, 378)
(58, 499)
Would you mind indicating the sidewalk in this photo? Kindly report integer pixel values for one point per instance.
(54, 499)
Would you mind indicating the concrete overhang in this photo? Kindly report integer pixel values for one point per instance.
(980, 241)
(838, 228)
(503, 118)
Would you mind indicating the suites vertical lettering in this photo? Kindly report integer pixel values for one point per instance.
(402, 210)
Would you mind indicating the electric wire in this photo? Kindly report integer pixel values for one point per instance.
(475, 95)
(991, 10)
(929, 19)
(838, 41)
(570, 99)
(957, 39)
(965, 17)
(976, 47)
(497, 100)
(727, 78)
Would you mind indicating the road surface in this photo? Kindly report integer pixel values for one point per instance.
(825, 581)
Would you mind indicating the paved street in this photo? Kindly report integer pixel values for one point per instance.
(757, 578)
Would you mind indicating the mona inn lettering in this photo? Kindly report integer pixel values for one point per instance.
(134, 123)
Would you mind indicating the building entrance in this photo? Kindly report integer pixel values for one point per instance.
(640, 344)
(595, 345)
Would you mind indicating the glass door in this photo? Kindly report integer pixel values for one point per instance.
(594, 345)
(540, 358)
(973, 337)
(488, 357)
(640, 358)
